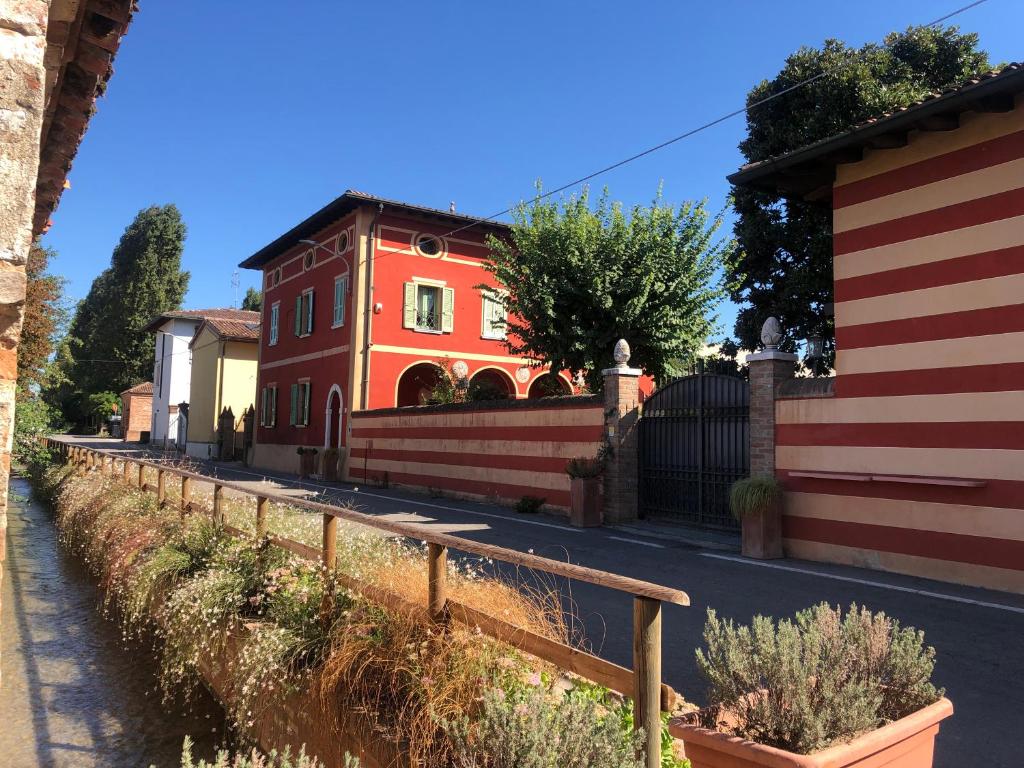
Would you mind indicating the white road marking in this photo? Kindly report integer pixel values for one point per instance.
(866, 582)
(637, 541)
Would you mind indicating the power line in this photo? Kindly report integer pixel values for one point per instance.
(680, 137)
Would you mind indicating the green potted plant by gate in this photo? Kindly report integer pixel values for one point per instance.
(828, 690)
(757, 503)
(586, 497)
(307, 461)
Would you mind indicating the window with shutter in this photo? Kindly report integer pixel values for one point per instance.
(308, 299)
(275, 315)
(409, 306)
(298, 315)
(340, 287)
(294, 411)
(447, 310)
(493, 323)
(305, 403)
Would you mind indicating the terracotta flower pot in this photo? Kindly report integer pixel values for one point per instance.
(906, 743)
(762, 533)
(586, 499)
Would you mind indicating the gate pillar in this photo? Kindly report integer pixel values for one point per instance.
(768, 369)
(621, 415)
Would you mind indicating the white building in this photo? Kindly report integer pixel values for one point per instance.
(172, 369)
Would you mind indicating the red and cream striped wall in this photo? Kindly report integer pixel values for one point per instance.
(494, 451)
(916, 464)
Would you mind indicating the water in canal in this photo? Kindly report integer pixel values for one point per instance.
(71, 694)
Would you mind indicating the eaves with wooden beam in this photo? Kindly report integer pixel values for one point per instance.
(809, 172)
(82, 39)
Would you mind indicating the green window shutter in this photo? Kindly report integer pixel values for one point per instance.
(305, 402)
(309, 312)
(409, 307)
(298, 315)
(263, 407)
(447, 309)
(272, 406)
(292, 417)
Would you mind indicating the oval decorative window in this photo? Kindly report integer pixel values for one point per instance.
(277, 276)
(342, 242)
(307, 260)
(428, 245)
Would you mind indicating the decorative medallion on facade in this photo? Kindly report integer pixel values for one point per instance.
(461, 369)
(522, 374)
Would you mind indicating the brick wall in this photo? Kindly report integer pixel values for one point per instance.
(138, 415)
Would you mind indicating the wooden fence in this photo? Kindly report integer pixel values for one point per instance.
(643, 683)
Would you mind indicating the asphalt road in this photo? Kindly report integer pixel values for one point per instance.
(978, 634)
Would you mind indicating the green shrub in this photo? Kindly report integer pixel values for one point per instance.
(529, 505)
(754, 494)
(255, 759)
(824, 678)
(583, 466)
(538, 728)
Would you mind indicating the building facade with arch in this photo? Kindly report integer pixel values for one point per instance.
(363, 303)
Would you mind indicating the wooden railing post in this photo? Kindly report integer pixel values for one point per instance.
(161, 488)
(647, 675)
(142, 475)
(262, 507)
(186, 494)
(329, 561)
(437, 582)
(126, 470)
(218, 504)
(103, 464)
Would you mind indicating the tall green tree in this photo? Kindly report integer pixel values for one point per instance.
(253, 300)
(44, 315)
(578, 279)
(782, 264)
(107, 347)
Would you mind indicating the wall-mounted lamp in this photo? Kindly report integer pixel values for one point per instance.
(815, 347)
(378, 308)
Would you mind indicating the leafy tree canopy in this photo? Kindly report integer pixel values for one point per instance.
(782, 264)
(107, 345)
(253, 300)
(579, 279)
(44, 315)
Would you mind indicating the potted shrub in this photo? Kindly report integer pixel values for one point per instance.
(757, 503)
(830, 689)
(586, 497)
(307, 461)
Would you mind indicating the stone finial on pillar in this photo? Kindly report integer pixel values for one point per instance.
(768, 369)
(621, 414)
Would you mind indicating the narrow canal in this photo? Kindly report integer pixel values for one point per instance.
(71, 693)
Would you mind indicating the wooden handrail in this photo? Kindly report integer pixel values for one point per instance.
(643, 683)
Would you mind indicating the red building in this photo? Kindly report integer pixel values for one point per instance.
(361, 301)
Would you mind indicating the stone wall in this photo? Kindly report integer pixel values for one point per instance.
(22, 78)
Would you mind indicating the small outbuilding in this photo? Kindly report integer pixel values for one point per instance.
(136, 412)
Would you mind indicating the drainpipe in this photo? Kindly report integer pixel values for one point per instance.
(365, 395)
(220, 396)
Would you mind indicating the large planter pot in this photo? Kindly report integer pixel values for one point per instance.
(906, 743)
(331, 464)
(586, 500)
(762, 533)
(307, 464)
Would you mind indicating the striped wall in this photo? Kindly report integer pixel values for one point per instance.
(494, 451)
(917, 464)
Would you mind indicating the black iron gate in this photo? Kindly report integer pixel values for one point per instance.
(694, 442)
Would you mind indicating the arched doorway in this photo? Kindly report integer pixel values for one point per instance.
(491, 384)
(548, 385)
(416, 383)
(334, 436)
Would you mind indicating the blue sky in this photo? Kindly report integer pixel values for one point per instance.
(250, 116)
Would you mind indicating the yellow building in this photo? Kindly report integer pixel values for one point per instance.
(224, 360)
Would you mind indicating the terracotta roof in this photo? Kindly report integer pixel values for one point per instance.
(82, 38)
(231, 330)
(216, 313)
(810, 170)
(145, 388)
(347, 202)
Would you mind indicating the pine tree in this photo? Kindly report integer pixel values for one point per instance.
(253, 300)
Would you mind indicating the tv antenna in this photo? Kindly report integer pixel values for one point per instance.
(234, 287)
